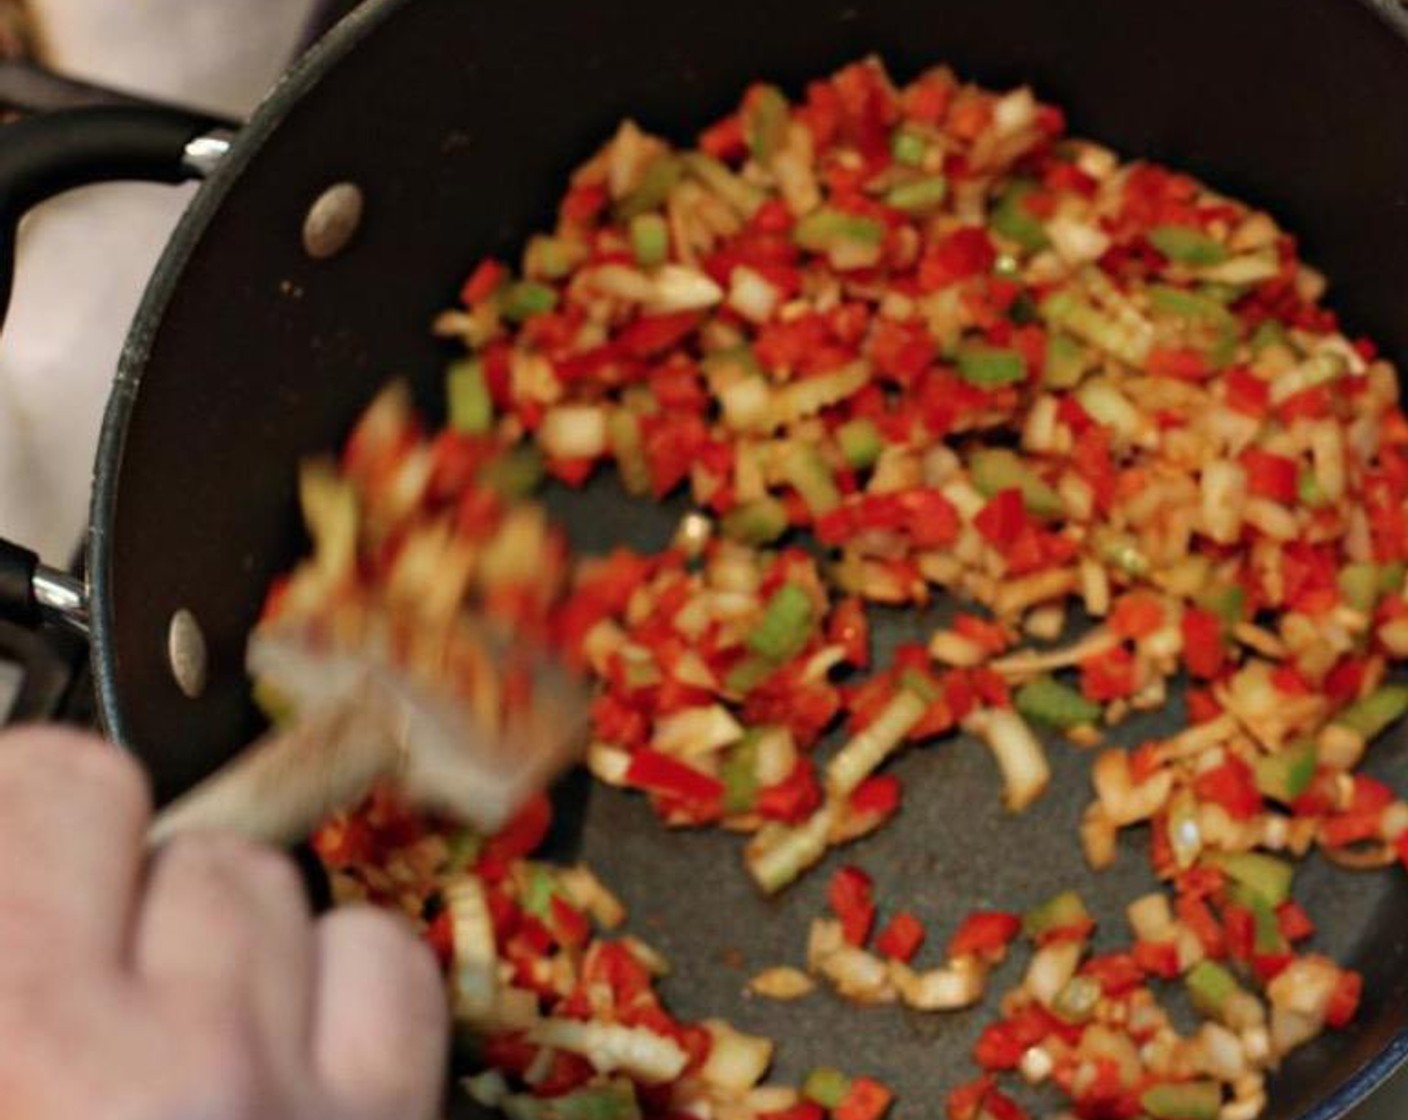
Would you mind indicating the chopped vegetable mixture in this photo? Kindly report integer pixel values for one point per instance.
(965, 355)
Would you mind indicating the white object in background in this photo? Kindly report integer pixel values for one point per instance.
(85, 258)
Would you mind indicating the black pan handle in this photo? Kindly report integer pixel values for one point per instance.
(32, 592)
(42, 156)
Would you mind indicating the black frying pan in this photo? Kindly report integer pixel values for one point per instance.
(458, 121)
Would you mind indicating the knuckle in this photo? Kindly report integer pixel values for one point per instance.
(233, 861)
(76, 761)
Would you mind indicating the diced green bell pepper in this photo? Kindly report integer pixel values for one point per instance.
(1065, 361)
(785, 626)
(994, 469)
(748, 674)
(757, 522)
(516, 473)
(1077, 1000)
(1373, 714)
(1183, 304)
(1187, 246)
(860, 442)
(826, 1086)
(1391, 577)
(918, 195)
(739, 774)
(908, 148)
(1011, 218)
(650, 239)
(765, 117)
(470, 408)
(656, 183)
(1210, 986)
(278, 709)
(809, 475)
(465, 846)
(616, 1101)
(538, 890)
(1048, 701)
(990, 366)
(1187, 1100)
(1224, 600)
(525, 299)
(1284, 776)
(1260, 873)
(1269, 332)
(553, 257)
(1058, 912)
(1359, 586)
(623, 434)
(824, 229)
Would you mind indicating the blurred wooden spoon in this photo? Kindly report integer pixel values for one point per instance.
(361, 720)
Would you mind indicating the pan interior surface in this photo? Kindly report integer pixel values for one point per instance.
(459, 122)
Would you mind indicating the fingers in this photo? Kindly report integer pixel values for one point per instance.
(225, 925)
(73, 811)
(381, 1029)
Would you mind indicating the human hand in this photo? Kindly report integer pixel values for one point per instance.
(196, 987)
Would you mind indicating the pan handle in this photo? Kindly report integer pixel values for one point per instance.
(42, 156)
(32, 592)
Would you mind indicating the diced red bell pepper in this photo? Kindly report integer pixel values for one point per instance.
(1136, 614)
(568, 1071)
(724, 139)
(1117, 974)
(1295, 923)
(876, 796)
(1204, 648)
(999, 1047)
(1181, 362)
(1194, 913)
(901, 938)
(671, 443)
(582, 204)
(1344, 1003)
(1239, 929)
(659, 773)
(1157, 958)
(1002, 520)
(1271, 476)
(651, 335)
(569, 925)
(1231, 785)
(802, 1110)
(793, 799)
(483, 282)
(963, 253)
(522, 835)
(980, 1100)
(901, 350)
(849, 627)
(866, 1099)
(1246, 392)
(985, 933)
(1108, 676)
(851, 895)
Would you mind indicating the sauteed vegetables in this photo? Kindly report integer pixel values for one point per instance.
(899, 343)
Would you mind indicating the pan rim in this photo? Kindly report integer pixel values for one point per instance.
(301, 77)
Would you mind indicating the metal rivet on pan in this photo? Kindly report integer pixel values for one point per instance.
(332, 220)
(185, 649)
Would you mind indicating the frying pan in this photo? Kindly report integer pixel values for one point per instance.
(457, 122)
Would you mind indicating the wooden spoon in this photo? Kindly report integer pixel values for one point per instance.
(361, 720)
